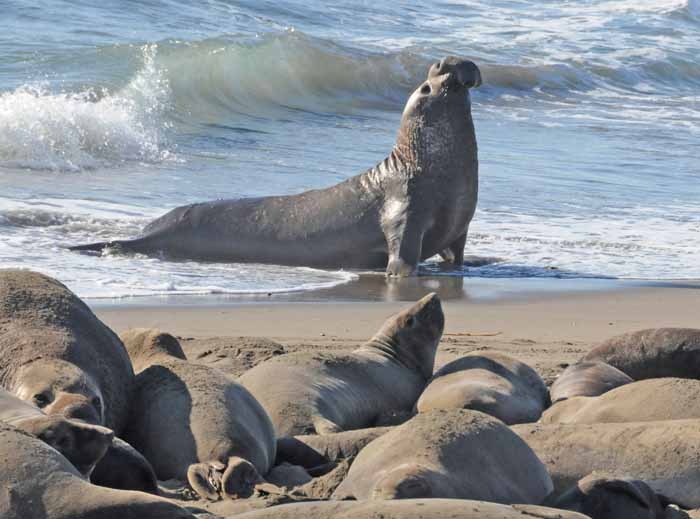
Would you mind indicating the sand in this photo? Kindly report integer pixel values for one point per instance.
(545, 328)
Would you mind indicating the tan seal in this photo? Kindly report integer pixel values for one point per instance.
(193, 422)
(321, 393)
(455, 454)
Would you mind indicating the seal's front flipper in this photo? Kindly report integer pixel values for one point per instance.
(240, 478)
(404, 239)
(326, 426)
(205, 479)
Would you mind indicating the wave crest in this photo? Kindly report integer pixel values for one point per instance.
(75, 131)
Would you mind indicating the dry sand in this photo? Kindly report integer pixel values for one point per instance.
(546, 329)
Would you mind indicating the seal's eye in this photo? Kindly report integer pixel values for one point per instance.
(411, 321)
(97, 404)
(438, 65)
(42, 399)
(425, 89)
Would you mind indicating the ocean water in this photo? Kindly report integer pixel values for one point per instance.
(588, 125)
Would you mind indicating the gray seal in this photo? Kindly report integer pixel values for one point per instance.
(416, 203)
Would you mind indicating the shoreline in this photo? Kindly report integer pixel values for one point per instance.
(547, 330)
(369, 288)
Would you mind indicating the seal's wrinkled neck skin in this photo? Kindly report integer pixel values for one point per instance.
(411, 337)
(437, 123)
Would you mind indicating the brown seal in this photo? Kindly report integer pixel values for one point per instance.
(312, 393)
(455, 454)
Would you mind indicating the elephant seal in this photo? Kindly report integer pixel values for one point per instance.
(321, 393)
(82, 444)
(603, 497)
(455, 454)
(315, 450)
(193, 422)
(124, 468)
(649, 400)
(409, 509)
(589, 378)
(663, 454)
(416, 203)
(57, 355)
(652, 353)
(37, 482)
(490, 382)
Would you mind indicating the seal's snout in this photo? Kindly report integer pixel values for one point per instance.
(464, 72)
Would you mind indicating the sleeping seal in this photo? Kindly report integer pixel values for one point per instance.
(37, 482)
(490, 382)
(416, 203)
(56, 354)
(193, 422)
(312, 393)
(82, 444)
(452, 454)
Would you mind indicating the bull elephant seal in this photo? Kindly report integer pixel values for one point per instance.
(409, 509)
(455, 454)
(416, 203)
(312, 393)
(193, 422)
(37, 482)
(82, 444)
(490, 382)
(653, 353)
(57, 355)
(603, 497)
(663, 454)
(644, 401)
(592, 378)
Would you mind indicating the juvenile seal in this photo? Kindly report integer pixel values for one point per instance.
(644, 401)
(653, 353)
(490, 382)
(663, 454)
(37, 482)
(57, 355)
(589, 378)
(409, 509)
(82, 444)
(193, 422)
(321, 393)
(453, 454)
(416, 203)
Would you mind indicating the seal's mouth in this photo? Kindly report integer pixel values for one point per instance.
(458, 72)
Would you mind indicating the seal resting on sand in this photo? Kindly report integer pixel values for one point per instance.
(653, 353)
(320, 393)
(416, 203)
(591, 378)
(490, 382)
(37, 482)
(664, 455)
(644, 401)
(409, 509)
(57, 355)
(193, 422)
(455, 454)
(82, 444)
(602, 497)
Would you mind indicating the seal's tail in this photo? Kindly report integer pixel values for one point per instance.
(121, 245)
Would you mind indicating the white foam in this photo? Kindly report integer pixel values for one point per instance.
(74, 131)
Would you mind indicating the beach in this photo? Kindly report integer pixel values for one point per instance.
(544, 328)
